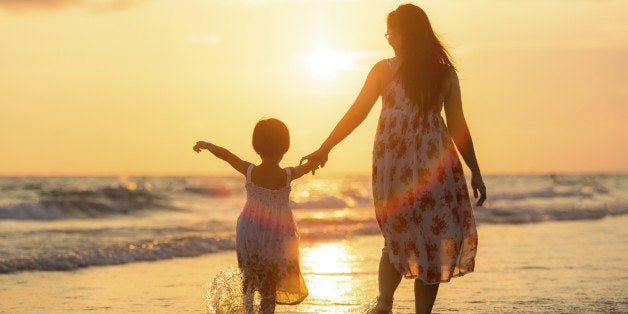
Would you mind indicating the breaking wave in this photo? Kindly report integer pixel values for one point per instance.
(147, 250)
(58, 204)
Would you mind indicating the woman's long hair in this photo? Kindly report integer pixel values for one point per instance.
(426, 63)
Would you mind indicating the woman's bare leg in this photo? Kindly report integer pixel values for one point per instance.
(389, 279)
(424, 296)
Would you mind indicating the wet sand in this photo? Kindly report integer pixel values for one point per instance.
(572, 266)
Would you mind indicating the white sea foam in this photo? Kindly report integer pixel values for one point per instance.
(83, 253)
(67, 223)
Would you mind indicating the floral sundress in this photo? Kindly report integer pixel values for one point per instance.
(421, 200)
(267, 241)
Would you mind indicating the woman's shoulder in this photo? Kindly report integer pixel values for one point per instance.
(387, 64)
(451, 73)
(385, 69)
(380, 66)
(450, 80)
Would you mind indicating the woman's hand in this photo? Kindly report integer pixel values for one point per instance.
(318, 158)
(200, 145)
(477, 184)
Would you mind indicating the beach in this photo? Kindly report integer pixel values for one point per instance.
(130, 129)
(556, 267)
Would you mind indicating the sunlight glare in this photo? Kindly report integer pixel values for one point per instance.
(325, 61)
(328, 267)
(329, 258)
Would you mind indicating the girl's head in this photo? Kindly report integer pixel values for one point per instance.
(426, 62)
(271, 138)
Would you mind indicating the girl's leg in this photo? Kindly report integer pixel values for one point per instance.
(268, 291)
(248, 295)
(389, 279)
(424, 296)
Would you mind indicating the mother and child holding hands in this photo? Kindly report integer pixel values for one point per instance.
(421, 201)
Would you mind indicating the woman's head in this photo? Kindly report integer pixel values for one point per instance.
(426, 62)
(411, 28)
(271, 138)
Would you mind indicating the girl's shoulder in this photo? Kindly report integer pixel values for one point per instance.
(272, 179)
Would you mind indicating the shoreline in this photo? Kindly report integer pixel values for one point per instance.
(567, 266)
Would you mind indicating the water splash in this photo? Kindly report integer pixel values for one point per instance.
(225, 294)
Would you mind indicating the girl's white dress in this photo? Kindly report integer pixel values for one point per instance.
(267, 242)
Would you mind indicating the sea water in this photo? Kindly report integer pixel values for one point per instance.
(64, 223)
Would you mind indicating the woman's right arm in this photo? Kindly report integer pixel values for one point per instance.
(354, 116)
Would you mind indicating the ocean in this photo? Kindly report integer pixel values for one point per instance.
(61, 224)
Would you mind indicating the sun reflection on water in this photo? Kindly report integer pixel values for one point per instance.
(328, 269)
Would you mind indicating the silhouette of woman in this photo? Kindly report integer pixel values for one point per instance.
(420, 195)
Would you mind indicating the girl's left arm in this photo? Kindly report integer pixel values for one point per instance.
(300, 170)
(224, 154)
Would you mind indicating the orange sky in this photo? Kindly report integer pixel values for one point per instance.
(127, 87)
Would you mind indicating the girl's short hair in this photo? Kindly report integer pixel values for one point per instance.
(271, 137)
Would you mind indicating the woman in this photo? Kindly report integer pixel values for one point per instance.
(421, 201)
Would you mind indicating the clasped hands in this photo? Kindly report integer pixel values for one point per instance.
(318, 158)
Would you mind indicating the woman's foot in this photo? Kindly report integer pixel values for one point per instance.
(381, 307)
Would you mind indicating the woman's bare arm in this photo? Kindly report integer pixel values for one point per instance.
(457, 125)
(459, 132)
(354, 116)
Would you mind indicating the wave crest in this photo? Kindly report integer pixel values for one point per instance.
(148, 250)
(58, 204)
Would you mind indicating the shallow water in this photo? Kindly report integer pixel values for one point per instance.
(547, 244)
(551, 267)
(74, 222)
(560, 267)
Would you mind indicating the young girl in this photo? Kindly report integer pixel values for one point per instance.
(266, 234)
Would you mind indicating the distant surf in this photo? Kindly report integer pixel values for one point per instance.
(67, 223)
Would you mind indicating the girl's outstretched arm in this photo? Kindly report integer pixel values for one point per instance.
(224, 154)
(302, 169)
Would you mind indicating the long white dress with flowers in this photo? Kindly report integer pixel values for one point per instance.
(267, 242)
(421, 199)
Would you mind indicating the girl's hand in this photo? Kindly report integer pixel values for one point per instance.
(477, 184)
(200, 145)
(318, 158)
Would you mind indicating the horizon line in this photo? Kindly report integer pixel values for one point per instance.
(334, 173)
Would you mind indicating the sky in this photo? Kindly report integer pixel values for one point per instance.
(118, 87)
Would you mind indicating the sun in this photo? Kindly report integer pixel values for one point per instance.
(325, 61)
